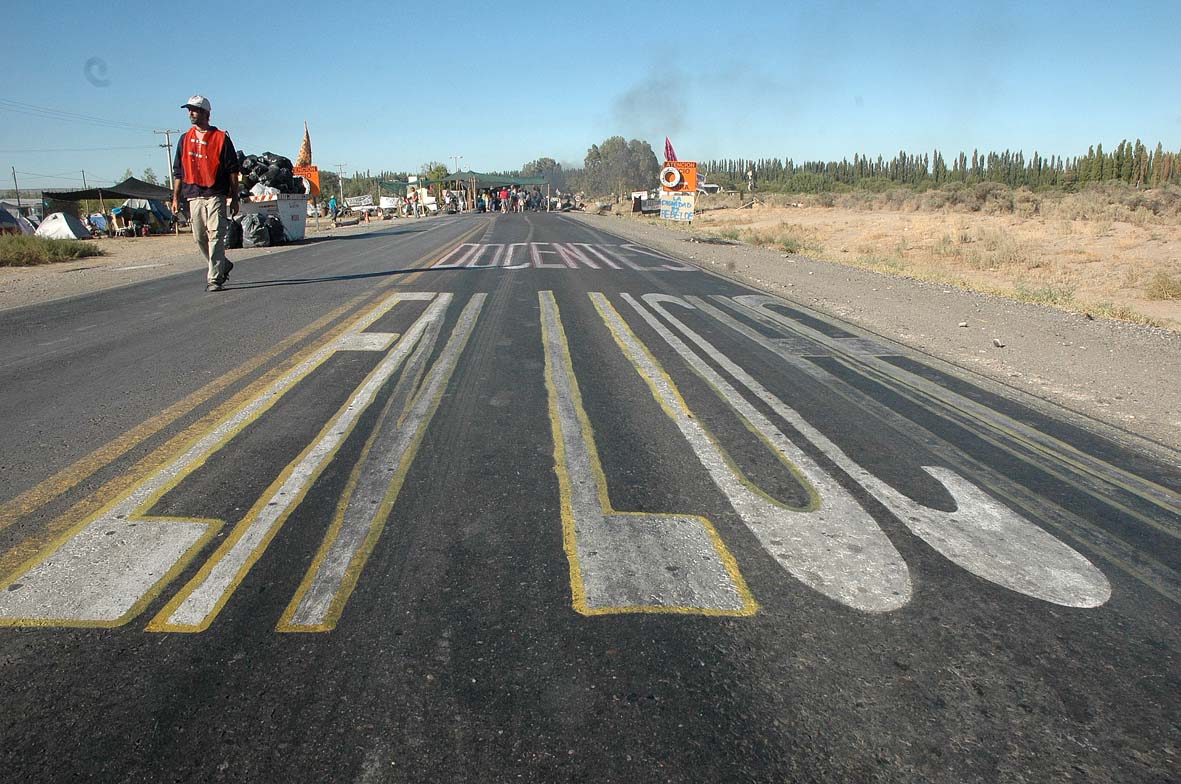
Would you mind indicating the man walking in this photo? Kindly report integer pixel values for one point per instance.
(205, 173)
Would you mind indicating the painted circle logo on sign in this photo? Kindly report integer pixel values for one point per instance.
(671, 177)
(679, 177)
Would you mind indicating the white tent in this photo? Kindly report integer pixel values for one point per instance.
(26, 227)
(62, 226)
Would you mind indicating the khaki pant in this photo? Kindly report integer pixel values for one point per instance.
(208, 214)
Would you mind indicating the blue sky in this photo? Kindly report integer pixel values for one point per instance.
(396, 85)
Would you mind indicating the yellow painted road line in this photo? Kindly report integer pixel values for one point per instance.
(1139, 565)
(969, 412)
(35, 497)
(981, 535)
(105, 568)
(626, 562)
(837, 549)
(199, 602)
(17, 557)
(365, 506)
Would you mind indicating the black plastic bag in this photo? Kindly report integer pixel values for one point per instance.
(255, 233)
(275, 227)
(234, 234)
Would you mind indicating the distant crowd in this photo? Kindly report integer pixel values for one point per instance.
(512, 199)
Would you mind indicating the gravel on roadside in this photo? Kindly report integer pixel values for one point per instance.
(1127, 376)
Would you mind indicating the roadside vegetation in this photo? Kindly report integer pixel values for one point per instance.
(1106, 250)
(1164, 286)
(22, 251)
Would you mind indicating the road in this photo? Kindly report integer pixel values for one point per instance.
(501, 498)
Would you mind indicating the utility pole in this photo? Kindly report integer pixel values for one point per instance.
(340, 181)
(18, 189)
(84, 185)
(167, 145)
(457, 159)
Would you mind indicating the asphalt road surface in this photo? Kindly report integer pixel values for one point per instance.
(512, 499)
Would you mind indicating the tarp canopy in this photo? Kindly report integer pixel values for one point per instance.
(393, 186)
(481, 180)
(131, 188)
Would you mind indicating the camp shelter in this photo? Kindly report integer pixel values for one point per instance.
(62, 226)
(57, 200)
(9, 224)
(150, 211)
(131, 188)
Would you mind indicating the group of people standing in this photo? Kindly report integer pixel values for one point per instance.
(514, 199)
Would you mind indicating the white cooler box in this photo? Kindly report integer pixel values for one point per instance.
(290, 207)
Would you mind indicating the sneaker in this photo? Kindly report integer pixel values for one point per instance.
(213, 287)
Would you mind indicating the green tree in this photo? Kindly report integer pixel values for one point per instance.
(150, 176)
(617, 166)
(127, 175)
(434, 170)
(548, 168)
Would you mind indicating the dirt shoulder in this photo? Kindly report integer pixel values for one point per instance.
(129, 260)
(1122, 374)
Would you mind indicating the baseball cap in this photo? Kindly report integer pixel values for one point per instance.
(196, 102)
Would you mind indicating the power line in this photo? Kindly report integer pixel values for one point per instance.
(78, 149)
(58, 176)
(50, 113)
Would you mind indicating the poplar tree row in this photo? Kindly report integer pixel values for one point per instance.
(1131, 163)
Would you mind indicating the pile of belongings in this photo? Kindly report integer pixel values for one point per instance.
(135, 215)
(268, 174)
(255, 230)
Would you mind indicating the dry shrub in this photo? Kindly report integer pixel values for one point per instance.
(946, 246)
(994, 198)
(1163, 286)
(895, 198)
(1026, 203)
(786, 236)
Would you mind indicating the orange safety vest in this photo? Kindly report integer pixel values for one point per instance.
(200, 157)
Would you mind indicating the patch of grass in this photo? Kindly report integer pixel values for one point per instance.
(1101, 227)
(785, 237)
(22, 251)
(1163, 286)
(946, 246)
(1117, 312)
(729, 234)
(882, 263)
(1059, 296)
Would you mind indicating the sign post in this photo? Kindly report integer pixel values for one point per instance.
(312, 175)
(678, 190)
